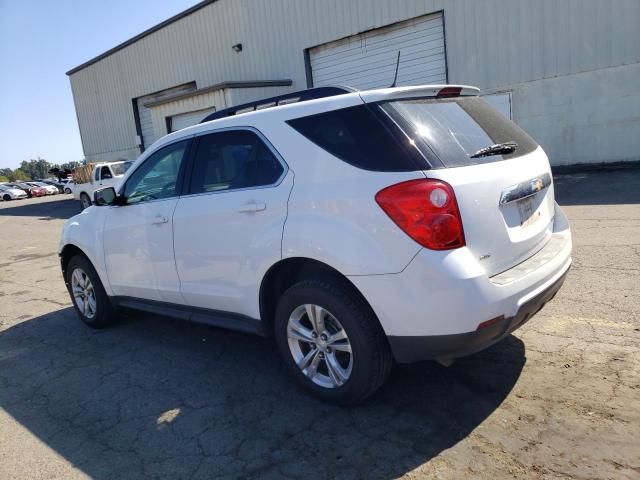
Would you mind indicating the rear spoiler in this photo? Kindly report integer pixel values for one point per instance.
(435, 91)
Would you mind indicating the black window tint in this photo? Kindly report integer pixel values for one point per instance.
(361, 137)
(105, 173)
(157, 177)
(455, 128)
(233, 160)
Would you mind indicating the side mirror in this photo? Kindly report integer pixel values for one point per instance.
(106, 196)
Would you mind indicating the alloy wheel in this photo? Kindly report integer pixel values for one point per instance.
(83, 293)
(320, 346)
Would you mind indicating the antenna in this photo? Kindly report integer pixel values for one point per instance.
(395, 77)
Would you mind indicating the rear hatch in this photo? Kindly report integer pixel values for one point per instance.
(505, 197)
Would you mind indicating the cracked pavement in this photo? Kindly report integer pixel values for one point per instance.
(158, 398)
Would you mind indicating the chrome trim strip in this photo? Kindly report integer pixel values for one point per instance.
(525, 189)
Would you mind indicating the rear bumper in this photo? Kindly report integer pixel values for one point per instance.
(409, 349)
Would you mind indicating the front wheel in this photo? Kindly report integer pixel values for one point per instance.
(331, 342)
(67, 191)
(90, 301)
(85, 201)
(6, 197)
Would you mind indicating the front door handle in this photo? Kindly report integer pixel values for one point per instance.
(159, 220)
(251, 207)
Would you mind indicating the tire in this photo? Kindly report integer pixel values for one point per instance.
(6, 197)
(370, 358)
(85, 201)
(102, 314)
(67, 191)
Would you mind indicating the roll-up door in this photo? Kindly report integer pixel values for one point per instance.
(184, 120)
(368, 60)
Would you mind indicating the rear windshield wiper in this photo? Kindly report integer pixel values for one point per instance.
(497, 149)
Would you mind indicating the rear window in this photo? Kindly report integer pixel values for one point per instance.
(453, 129)
(363, 137)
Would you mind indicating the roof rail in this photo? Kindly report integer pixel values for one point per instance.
(287, 98)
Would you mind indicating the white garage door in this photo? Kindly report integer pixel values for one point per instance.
(184, 120)
(368, 60)
(144, 112)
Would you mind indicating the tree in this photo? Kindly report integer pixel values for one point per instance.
(38, 168)
(20, 175)
(3, 179)
(69, 165)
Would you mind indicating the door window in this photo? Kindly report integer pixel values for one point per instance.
(157, 177)
(232, 160)
(105, 173)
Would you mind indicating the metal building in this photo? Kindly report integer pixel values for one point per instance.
(567, 71)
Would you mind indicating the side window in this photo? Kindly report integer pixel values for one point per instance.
(105, 173)
(97, 174)
(359, 137)
(232, 160)
(157, 177)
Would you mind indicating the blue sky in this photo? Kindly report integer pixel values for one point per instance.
(39, 42)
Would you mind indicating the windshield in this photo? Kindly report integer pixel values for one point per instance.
(454, 129)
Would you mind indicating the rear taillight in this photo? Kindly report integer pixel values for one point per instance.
(426, 210)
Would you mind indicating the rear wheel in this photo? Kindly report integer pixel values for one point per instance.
(67, 191)
(331, 342)
(90, 301)
(85, 201)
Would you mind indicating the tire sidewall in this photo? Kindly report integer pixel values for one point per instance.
(345, 312)
(104, 312)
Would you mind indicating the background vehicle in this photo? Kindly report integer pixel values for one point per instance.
(93, 176)
(67, 184)
(49, 189)
(421, 225)
(31, 191)
(55, 183)
(12, 193)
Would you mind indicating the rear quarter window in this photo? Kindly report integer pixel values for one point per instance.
(361, 136)
(453, 129)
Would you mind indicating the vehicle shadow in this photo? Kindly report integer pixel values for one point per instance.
(157, 397)
(601, 187)
(34, 207)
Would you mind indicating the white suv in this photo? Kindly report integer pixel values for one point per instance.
(357, 228)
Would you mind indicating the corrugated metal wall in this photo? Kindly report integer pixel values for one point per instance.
(497, 45)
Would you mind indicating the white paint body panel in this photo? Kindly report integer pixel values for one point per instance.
(138, 250)
(449, 292)
(493, 231)
(223, 252)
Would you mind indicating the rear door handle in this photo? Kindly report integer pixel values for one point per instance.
(251, 207)
(159, 220)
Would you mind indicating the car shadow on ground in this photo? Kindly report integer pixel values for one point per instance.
(161, 398)
(35, 207)
(603, 187)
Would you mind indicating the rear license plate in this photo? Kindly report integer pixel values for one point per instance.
(527, 213)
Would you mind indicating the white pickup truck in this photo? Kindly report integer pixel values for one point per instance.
(95, 176)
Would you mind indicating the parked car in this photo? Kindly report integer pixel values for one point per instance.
(421, 225)
(53, 183)
(67, 185)
(11, 193)
(30, 190)
(93, 176)
(20, 186)
(49, 189)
